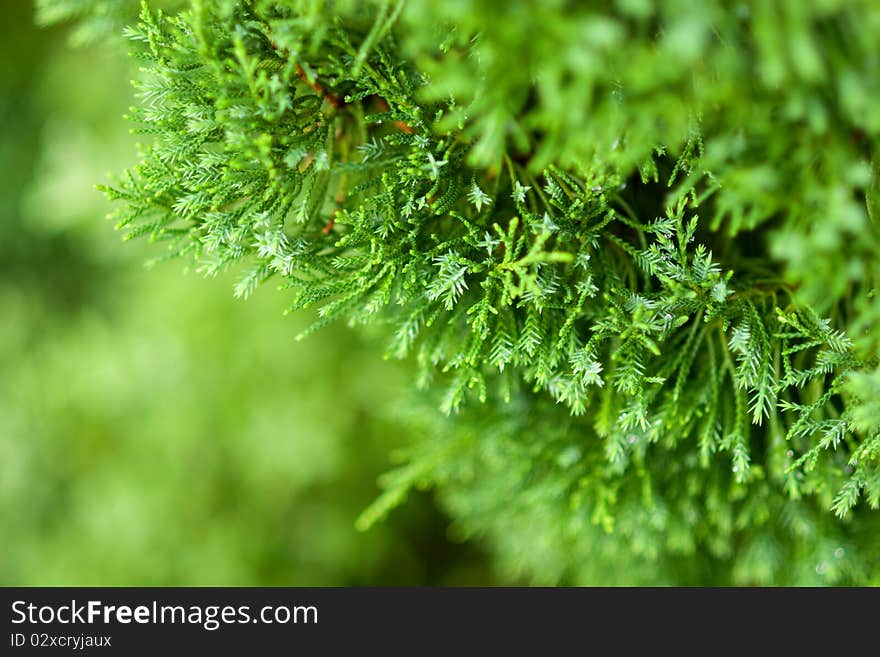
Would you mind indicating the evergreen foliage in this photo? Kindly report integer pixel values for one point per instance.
(139, 444)
(632, 246)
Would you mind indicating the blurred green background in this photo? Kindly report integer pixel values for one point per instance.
(153, 429)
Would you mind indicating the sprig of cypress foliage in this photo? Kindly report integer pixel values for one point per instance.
(636, 249)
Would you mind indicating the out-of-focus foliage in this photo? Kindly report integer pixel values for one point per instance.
(154, 430)
(538, 489)
(660, 216)
(92, 21)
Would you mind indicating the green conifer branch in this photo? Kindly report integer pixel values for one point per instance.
(637, 249)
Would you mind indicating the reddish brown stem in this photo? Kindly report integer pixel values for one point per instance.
(332, 100)
(400, 125)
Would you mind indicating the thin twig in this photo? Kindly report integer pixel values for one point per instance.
(331, 99)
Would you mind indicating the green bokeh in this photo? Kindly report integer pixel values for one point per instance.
(153, 429)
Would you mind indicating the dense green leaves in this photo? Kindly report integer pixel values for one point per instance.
(660, 216)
